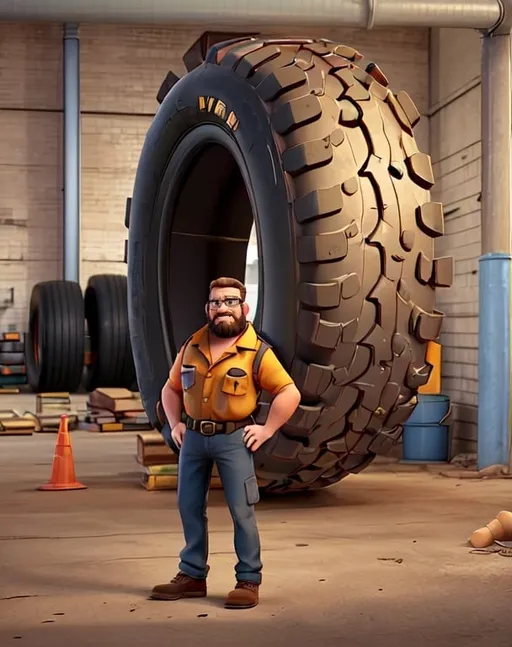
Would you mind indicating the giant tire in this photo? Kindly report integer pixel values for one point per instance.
(329, 165)
(54, 345)
(107, 323)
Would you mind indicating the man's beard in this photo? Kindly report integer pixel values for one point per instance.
(227, 329)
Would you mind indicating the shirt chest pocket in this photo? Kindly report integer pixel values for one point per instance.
(235, 382)
(188, 376)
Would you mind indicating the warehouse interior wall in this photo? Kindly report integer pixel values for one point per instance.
(122, 67)
(455, 144)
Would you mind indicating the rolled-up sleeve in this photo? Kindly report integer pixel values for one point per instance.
(272, 377)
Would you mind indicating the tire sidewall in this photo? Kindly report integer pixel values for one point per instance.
(91, 370)
(253, 146)
(37, 314)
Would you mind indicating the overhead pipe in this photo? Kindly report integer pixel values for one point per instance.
(71, 149)
(470, 14)
(494, 336)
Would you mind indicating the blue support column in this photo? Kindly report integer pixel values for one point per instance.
(494, 351)
(494, 360)
(72, 165)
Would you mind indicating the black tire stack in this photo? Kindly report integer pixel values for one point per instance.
(59, 316)
(107, 323)
(12, 360)
(11, 353)
(55, 339)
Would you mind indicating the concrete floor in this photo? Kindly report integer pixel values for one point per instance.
(76, 567)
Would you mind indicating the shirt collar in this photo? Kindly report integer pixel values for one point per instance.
(247, 340)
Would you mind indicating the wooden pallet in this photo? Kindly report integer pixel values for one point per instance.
(52, 402)
(12, 424)
(49, 423)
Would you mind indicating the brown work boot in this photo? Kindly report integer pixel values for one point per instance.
(182, 586)
(243, 596)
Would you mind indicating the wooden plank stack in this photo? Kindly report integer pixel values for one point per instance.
(8, 390)
(12, 424)
(12, 362)
(49, 423)
(53, 403)
(111, 409)
(49, 408)
(159, 464)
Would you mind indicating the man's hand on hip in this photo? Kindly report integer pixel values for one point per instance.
(256, 435)
(178, 432)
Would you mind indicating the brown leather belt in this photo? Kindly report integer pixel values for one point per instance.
(212, 427)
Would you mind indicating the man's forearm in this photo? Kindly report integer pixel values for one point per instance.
(283, 407)
(172, 404)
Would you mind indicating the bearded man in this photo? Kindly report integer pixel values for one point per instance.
(216, 378)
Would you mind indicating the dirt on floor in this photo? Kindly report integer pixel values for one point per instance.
(379, 560)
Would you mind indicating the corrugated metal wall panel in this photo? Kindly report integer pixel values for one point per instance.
(455, 132)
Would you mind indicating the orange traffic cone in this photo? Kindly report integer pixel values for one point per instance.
(63, 469)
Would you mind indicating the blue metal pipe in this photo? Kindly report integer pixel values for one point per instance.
(72, 133)
(494, 360)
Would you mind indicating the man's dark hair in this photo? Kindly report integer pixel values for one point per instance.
(229, 282)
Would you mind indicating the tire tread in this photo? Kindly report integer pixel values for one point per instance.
(62, 337)
(357, 378)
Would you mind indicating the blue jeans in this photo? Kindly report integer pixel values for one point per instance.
(236, 470)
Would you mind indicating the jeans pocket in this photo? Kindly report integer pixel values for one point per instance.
(252, 491)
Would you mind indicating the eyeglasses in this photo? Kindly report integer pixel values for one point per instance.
(231, 302)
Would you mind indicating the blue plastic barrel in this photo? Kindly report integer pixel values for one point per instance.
(426, 443)
(426, 438)
(430, 410)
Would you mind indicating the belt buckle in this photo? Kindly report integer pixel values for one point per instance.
(204, 425)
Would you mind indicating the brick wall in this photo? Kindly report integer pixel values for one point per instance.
(122, 68)
(30, 162)
(455, 133)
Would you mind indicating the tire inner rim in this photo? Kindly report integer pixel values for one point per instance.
(207, 217)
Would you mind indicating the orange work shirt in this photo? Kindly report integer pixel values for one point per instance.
(224, 390)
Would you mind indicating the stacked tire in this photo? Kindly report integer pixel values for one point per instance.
(56, 335)
(106, 314)
(60, 319)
